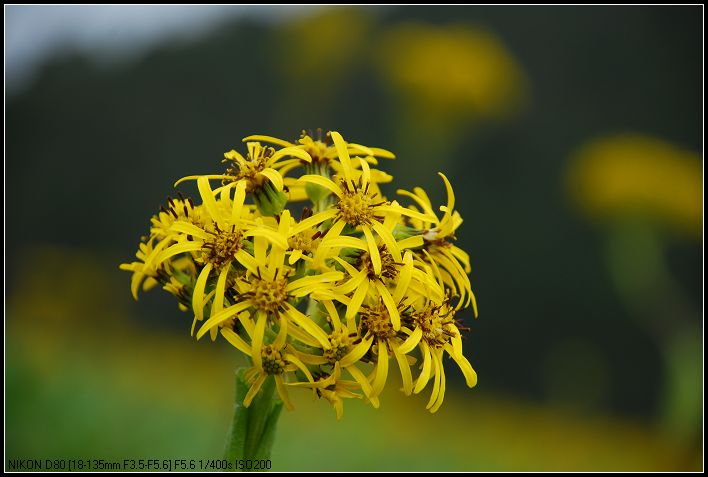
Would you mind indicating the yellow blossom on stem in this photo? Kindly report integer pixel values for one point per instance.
(327, 301)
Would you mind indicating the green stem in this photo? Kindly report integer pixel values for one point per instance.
(252, 430)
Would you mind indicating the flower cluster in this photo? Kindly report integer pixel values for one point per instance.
(327, 301)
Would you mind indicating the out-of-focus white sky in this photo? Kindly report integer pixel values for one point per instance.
(35, 34)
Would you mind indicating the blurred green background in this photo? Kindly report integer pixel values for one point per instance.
(572, 136)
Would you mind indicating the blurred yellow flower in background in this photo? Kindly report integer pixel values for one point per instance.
(622, 175)
(318, 51)
(452, 70)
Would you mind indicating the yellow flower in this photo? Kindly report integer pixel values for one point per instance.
(268, 360)
(434, 329)
(324, 162)
(356, 206)
(634, 175)
(375, 277)
(261, 164)
(451, 71)
(333, 389)
(448, 262)
(268, 290)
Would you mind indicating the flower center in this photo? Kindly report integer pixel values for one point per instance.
(222, 247)
(256, 161)
(436, 321)
(340, 343)
(304, 241)
(356, 207)
(316, 148)
(269, 295)
(273, 362)
(377, 320)
(389, 267)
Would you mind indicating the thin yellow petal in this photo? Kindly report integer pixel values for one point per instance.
(466, 368)
(207, 176)
(381, 368)
(373, 249)
(425, 372)
(313, 221)
(436, 380)
(314, 279)
(189, 229)
(293, 152)
(273, 176)
(274, 237)
(283, 393)
(175, 249)
(345, 241)
(307, 324)
(390, 305)
(404, 278)
(198, 295)
(344, 159)
(257, 341)
(245, 259)
(411, 242)
(236, 341)
(406, 375)
(208, 199)
(411, 342)
(357, 299)
(222, 316)
(441, 391)
(357, 352)
(323, 182)
(281, 338)
(268, 139)
(364, 383)
(301, 366)
(237, 205)
(255, 387)
(365, 173)
(388, 240)
(333, 314)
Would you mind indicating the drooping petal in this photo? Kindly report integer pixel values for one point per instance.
(255, 387)
(313, 221)
(404, 278)
(406, 376)
(381, 368)
(236, 341)
(189, 229)
(323, 182)
(373, 249)
(357, 352)
(268, 139)
(424, 376)
(390, 305)
(307, 324)
(283, 392)
(273, 176)
(257, 341)
(198, 295)
(223, 315)
(412, 341)
(333, 314)
(173, 250)
(357, 298)
(387, 238)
